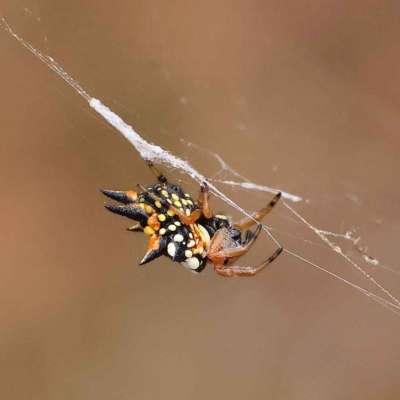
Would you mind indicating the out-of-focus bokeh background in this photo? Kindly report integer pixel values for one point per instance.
(297, 95)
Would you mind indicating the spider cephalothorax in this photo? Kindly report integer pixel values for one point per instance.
(185, 230)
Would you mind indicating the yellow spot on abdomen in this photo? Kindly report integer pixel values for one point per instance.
(149, 209)
(148, 230)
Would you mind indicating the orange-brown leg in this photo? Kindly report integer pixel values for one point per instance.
(223, 247)
(236, 270)
(258, 216)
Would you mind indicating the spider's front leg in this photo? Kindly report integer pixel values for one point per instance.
(258, 216)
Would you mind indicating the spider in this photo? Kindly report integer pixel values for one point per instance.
(187, 231)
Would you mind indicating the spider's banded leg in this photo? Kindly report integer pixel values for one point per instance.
(188, 220)
(160, 177)
(258, 216)
(203, 200)
(124, 197)
(236, 270)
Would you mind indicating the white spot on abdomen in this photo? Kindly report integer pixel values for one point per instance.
(193, 263)
(178, 237)
(171, 249)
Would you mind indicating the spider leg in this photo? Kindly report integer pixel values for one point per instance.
(223, 247)
(137, 227)
(160, 177)
(257, 216)
(236, 270)
(203, 200)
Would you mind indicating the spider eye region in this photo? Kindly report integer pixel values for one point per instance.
(175, 189)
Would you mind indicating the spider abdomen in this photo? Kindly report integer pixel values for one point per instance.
(169, 236)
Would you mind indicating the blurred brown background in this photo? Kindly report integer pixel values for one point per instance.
(297, 95)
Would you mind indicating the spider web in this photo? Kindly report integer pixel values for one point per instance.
(322, 238)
